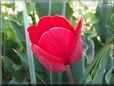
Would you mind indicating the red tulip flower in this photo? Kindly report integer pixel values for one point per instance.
(55, 42)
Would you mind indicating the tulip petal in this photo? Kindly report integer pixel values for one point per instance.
(34, 34)
(77, 51)
(57, 41)
(47, 22)
(79, 26)
(77, 46)
(50, 62)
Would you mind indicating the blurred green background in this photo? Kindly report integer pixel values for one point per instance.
(97, 63)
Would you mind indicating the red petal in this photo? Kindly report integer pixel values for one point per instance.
(77, 50)
(57, 41)
(77, 46)
(52, 63)
(34, 34)
(45, 23)
(79, 26)
(48, 22)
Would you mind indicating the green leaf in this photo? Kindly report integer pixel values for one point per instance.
(11, 5)
(13, 82)
(18, 18)
(88, 80)
(99, 55)
(110, 29)
(8, 45)
(110, 63)
(88, 36)
(89, 17)
(38, 66)
(18, 30)
(10, 34)
(56, 8)
(98, 44)
(108, 76)
(77, 70)
(23, 59)
(112, 78)
(104, 14)
(14, 69)
(108, 67)
(42, 8)
(69, 13)
(100, 71)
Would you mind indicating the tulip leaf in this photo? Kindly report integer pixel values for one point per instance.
(77, 70)
(104, 14)
(69, 11)
(108, 76)
(112, 78)
(23, 59)
(9, 36)
(38, 66)
(98, 44)
(14, 69)
(42, 7)
(109, 68)
(88, 80)
(100, 71)
(18, 30)
(99, 55)
(110, 63)
(90, 45)
(14, 81)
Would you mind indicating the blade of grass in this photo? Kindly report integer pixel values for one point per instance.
(29, 53)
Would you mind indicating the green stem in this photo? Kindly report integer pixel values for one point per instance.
(49, 14)
(113, 52)
(1, 47)
(29, 53)
(69, 75)
(49, 11)
(64, 8)
(32, 15)
(51, 77)
(60, 77)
